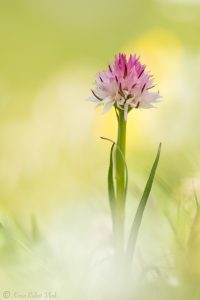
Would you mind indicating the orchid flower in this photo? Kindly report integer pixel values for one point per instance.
(126, 84)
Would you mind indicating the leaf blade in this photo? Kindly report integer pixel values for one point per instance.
(111, 188)
(140, 210)
(126, 168)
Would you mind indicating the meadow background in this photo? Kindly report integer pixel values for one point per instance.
(54, 217)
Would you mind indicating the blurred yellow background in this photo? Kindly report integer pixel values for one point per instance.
(51, 156)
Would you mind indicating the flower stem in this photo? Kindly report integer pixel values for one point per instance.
(120, 184)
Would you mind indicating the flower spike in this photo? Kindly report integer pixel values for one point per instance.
(126, 85)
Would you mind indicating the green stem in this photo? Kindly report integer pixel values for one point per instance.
(120, 184)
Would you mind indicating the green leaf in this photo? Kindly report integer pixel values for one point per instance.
(111, 189)
(126, 168)
(139, 214)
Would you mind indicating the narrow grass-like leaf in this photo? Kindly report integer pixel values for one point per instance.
(139, 214)
(126, 169)
(111, 188)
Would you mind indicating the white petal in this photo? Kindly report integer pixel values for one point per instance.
(120, 101)
(133, 105)
(151, 96)
(93, 99)
(130, 100)
(106, 100)
(107, 107)
(146, 105)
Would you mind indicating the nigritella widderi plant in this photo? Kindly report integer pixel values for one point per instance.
(126, 85)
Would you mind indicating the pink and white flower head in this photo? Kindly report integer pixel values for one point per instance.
(125, 85)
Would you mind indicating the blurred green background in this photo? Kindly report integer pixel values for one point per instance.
(53, 164)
